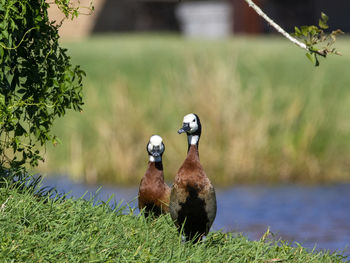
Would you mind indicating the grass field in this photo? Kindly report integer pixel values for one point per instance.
(268, 115)
(34, 229)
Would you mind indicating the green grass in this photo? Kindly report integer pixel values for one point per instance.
(36, 229)
(268, 115)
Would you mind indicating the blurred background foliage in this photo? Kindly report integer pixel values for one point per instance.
(267, 114)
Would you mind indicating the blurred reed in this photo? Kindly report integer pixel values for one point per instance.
(267, 115)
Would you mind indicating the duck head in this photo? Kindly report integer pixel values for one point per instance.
(155, 148)
(193, 128)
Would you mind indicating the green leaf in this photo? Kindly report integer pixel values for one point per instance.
(304, 30)
(5, 34)
(324, 17)
(323, 21)
(311, 57)
(297, 31)
(322, 24)
(38, 18)
(2, 99)
(317, 63)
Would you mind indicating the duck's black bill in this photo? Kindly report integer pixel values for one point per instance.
(156, 151)
(185, 128)
(156, 154)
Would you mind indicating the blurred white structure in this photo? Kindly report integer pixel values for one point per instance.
(211, 19)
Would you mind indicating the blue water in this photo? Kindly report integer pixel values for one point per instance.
(314, 216)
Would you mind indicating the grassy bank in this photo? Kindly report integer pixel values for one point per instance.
(268, 115)
(40, 230)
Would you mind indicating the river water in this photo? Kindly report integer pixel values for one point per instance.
(314, 216)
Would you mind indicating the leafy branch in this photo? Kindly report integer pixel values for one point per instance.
(72, 10)
(307, 37)
(314, 36)
(37, 81)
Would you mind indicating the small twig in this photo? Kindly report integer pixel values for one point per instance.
(280, 29)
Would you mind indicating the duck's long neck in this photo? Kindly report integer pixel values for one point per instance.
(157, 164)
(192, 154)
(193, 140)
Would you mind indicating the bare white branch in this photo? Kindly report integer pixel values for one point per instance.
(276, 26)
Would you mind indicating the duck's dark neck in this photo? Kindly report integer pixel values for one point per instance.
(192, 140)
(157, 165)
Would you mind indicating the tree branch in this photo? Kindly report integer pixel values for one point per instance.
(280, 29)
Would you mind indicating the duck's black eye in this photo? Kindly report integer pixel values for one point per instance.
(194, 120)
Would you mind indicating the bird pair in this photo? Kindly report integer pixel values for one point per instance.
(191, 200)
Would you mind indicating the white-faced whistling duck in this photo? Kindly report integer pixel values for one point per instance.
(192, 198)
(154, 193)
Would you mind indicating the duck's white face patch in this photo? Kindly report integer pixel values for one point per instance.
(155, 147)
(191, 119)
(155, 140)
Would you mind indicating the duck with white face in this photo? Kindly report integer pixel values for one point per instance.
(154, 193)
(155, 148)
(193, 128)
(192, 198)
